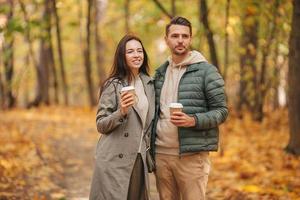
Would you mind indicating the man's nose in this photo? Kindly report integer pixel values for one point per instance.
(180, 39)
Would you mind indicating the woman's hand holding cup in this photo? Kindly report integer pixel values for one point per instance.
(127, 99)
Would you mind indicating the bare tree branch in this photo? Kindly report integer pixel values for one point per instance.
(162, 8)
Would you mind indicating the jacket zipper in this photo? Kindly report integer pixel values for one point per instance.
(179, 139)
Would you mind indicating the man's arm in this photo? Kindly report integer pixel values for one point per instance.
(216, 101)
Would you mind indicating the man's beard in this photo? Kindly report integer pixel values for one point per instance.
(181, 52)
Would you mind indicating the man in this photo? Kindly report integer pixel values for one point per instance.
(181, 142)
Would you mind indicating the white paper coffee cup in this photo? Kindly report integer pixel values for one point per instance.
(175, 107)
(128, 89)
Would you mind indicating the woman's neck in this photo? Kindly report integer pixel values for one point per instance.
(135, 72)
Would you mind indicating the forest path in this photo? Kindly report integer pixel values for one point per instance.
(48, 153)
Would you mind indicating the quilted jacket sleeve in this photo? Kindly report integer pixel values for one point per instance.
(216, 101)
(109, 114)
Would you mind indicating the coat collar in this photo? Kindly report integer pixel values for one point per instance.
(146, 79)
(163, 68)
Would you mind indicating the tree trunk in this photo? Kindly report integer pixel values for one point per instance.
(53, 69)
(2, 93)
(42, 77)
(25, 84)
(248, 71)
(173, 6)
(127, 15)
(294, 81)
(50, 57)
(262, 85)
(208, 32)
(31, 52)
(226, 52)
(99, 44)
(8, 60)
(60, 54)
(87, 59)
(279, 64)
(42, 88)
(28, 33)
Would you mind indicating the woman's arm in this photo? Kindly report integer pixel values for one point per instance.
(109, 114)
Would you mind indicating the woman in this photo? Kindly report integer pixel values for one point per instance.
(124, 120)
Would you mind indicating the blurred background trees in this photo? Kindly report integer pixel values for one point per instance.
(59, 52)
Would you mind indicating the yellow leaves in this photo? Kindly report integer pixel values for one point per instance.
(6, 164)
(252, 9)
(29, 159)
(7, 148)
(251, 188)
(251, 49)
(254, 165)
(58, 195)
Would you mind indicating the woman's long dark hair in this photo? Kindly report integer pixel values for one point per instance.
(119, 69)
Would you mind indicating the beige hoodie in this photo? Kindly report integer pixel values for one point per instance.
(167, 133)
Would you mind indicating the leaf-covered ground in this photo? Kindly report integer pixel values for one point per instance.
(47, 153)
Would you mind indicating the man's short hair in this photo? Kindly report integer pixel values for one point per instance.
(179, 21)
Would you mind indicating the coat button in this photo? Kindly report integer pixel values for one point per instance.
(120, 120)
(120, 155)
(126, 135)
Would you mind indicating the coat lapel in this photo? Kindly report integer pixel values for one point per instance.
(149, 90)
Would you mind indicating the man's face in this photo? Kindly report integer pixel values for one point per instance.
(179, 39)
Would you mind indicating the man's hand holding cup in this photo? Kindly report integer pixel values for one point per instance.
(179, 118)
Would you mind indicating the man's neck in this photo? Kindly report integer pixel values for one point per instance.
(179, 58)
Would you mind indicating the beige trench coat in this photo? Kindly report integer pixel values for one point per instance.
(118, 145)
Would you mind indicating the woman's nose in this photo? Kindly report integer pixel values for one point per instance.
(136, 54)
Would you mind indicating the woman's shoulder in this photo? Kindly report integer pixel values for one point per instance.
(112, 82)
(146, 78)
(111, 85)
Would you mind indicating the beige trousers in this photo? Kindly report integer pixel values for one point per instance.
(182, 177)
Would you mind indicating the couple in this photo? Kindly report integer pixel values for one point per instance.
(180, 143)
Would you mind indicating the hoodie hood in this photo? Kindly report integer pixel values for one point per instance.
(193, 57)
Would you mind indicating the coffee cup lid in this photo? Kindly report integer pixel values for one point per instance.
(127, 88)
(176, 105)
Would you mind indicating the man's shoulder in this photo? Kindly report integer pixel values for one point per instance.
(203, 66)
(162, 68)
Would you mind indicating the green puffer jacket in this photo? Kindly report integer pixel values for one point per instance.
(201, 92)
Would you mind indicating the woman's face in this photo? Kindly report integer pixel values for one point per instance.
(134, 55)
